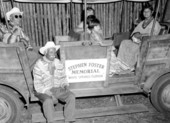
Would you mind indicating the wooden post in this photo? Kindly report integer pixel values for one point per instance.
(12, 3)
(71, 15)
(121, 12)
(166, 13)
(153, 26)
(85, 19)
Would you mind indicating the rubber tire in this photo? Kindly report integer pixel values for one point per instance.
(156, 93)
(14, 102)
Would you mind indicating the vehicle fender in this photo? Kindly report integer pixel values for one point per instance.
(17, 89)
(152, 79)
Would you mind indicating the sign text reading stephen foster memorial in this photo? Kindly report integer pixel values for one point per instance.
(85, 70)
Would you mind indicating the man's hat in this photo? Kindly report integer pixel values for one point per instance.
(49, 44)
(12, 11)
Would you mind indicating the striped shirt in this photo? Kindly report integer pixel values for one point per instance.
(48, 74)
(9, 36)
(3, 31)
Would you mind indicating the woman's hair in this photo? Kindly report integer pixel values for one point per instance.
(83, 12)
(90, 9)
(90, 18)
(148, 6)
(92, 23)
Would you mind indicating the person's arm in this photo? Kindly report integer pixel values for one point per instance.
(6, 36)
(10, 38)
(21, 37)
(79, 28)
(157, 28)
(2, 31)
(61, 74)
(24, 38)
(37, 74)
(63, 79)
(137, 28)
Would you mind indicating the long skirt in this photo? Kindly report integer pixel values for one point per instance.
(128, 52)
(126, 59)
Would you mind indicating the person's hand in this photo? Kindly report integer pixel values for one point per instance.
(137, 35)
(54, 99)
(136, 40)
(29, 48)
(66, 88)
(3, 28)
(48, 92)
(145, 34)
(16, 30)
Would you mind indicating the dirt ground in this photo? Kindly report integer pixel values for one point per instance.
(152, 116)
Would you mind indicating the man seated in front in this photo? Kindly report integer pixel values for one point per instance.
(51, 85)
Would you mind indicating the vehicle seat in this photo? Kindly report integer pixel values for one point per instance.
(165, 28)
(119, 37)
(61, 38)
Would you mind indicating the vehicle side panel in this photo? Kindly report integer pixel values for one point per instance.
(11, 72)
(157, 60)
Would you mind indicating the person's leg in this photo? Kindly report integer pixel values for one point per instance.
(69, 109)
(127, 52)
(48, 106)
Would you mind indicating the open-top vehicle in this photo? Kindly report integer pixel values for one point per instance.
(87, 69)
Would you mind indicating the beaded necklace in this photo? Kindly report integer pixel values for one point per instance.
(147, 22)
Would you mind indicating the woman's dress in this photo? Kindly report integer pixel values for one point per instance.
(129, 50)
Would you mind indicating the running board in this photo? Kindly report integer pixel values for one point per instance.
(95, 112)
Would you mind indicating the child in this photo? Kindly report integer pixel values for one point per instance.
(96, 33)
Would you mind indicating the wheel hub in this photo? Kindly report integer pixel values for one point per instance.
(5, 110)
(166, 96)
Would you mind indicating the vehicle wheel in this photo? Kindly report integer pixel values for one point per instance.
(160, 94)
(10, 106)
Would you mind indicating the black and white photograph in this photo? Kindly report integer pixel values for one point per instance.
(84, 61)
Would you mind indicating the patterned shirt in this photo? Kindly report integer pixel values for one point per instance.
(3, 30)
(48, 74)
(8, 36)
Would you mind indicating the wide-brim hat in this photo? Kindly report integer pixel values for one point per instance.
(13, 11)
(48, 45)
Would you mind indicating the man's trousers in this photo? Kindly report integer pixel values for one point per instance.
(58, 94)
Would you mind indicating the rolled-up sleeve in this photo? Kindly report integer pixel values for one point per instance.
(61, 75)
(157, 29)
(37, 74)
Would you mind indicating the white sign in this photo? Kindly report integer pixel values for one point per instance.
(85, 70)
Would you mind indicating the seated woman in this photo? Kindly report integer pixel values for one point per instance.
(129, 49)
(96, 36)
